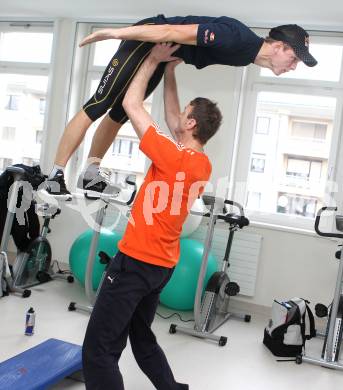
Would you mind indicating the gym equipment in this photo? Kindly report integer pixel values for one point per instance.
(33, 265)
(193, 220)
(106, 200)
(211, 308)
(42, 366)
(179, 293)
(334, 329)
(78, 254)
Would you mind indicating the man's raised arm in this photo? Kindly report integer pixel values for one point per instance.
(134, 98)
(171, 99)
(182, 34)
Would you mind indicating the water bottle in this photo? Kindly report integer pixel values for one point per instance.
(30, 322)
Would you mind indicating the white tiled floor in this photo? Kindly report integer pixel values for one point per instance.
(243, 364)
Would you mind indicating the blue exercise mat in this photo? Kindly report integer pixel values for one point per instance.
(41, 366)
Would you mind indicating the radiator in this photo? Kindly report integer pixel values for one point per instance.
(244, 254)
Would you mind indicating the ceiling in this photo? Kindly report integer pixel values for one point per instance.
(315, 14)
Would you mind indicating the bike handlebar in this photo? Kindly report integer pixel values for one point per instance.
(234, 219)
(134, 192)
(317, 221)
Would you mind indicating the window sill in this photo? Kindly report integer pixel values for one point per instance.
(288, 229)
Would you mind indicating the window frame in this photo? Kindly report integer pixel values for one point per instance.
(83, 75)
(32, 68)
(254, 84)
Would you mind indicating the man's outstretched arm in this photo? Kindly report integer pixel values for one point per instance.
(182, 34)
(134, 98)
(171, 99)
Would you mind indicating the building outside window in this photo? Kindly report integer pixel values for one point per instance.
(297, 162)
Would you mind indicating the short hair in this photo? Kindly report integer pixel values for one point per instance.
(208, 118)
(272, 40)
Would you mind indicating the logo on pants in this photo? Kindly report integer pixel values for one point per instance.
(105, 80)
(111, 279)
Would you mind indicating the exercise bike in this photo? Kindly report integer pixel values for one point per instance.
(334, 330)
(103, 257)
(211, 307)
(32, 266)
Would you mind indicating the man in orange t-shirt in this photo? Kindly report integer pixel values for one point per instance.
(150, 247)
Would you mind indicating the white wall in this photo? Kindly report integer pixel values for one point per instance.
(263, 13)
(294, 264)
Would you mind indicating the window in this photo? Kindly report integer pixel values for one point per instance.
(119, 177)
(135, 149)
(257, 163)
(25, 46)
(289, 172)
(30, 161)
(104, 51)
(125, 147)
(42, 103)
(39, 136)
(329, 57)
(12, 102)
(262, 125)
(295, 204)
(254, 200)
(290, 168)
(26, 121)
(5, 162)
(8, 133)
(310, 130)
(124, 155)
(296, 167)
(304, 168)
(25, 51)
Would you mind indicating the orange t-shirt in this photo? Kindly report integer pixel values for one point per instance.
(174, 180)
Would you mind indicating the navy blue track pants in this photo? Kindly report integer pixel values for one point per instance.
(125, 307)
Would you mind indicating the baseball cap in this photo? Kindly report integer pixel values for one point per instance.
(297, 38)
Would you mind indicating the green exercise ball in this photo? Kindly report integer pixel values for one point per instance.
(79, 251)
(179, 293)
